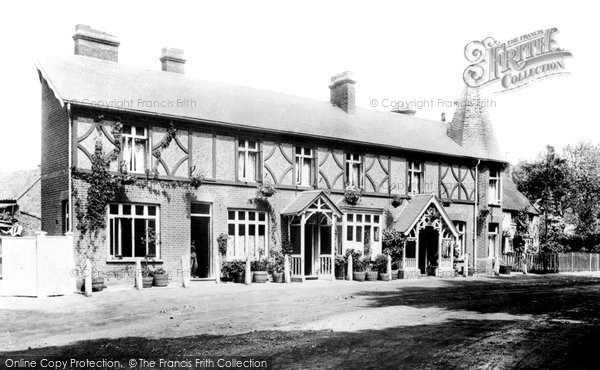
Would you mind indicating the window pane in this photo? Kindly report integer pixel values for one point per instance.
(231, 229)
(241, 215)
(251, 216)
(349, 235)
(376, 219)
(112, 237)
(127, 129)
(241, 166)
(201, 208)
(126, 209)
(151, 210)
(261, 229)
(140, 237)
(140, 131)
(368, 218)
(241, 229)
(251, 170)
(359, 218)
(251, 229)
(261, 216)
(376, 234)
(350, 217)
(242, 144)
(152, 244)
(359, 233)
(114, 209)
(231, 215)
(298, 150)
(139, 210)
(126, 235)
(252, 145)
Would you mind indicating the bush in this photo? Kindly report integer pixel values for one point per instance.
(340, 261)
(259, 265)
(276, 262)
(381, 263)
(229, 268)
(393, 244)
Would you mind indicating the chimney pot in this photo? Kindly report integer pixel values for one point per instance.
(342, 92)
(172, 60)
(96, 44)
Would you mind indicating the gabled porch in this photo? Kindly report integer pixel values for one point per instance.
(312, 220)
(431, 237)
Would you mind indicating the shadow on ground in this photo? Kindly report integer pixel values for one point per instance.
(452, 344)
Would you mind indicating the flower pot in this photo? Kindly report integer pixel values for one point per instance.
(97, 284)
(161, 280)
(371, 276)
(278, 277)
(147, 281)
(239, 277)
(358, 275)
(384, 276)
(340, 272)
(394, 274)
(260, 276)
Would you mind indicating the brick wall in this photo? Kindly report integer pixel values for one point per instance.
(55, 160)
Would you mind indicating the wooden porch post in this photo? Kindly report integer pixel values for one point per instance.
(440, 239)
(333, 245)
(417, 251)
(302, 242)
(404, 258)
(318, 249)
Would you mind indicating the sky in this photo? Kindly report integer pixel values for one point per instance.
(412, 51)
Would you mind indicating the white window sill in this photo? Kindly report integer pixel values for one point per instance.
(132, 260)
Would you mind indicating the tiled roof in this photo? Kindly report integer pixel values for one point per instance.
(405, 221)
(305, 199)
(22, 187)
(471, 126)
(513, 199)
(87, 81)
(14, 184)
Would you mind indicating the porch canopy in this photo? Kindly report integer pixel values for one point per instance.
(422, 216)
(313, 212)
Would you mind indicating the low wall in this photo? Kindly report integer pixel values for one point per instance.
(38, 266)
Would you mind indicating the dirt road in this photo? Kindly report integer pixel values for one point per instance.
(550, 321)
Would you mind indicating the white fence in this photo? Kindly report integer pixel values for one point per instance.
(38, 266)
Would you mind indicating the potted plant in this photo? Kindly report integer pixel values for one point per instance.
(395, 269)
(238, 270)
(371, 271)
(276, 266)
(195, 179)
(147, 278)
(222, 243)
(396, 201)
(340, 267)
(97, 282)
(359, 273)
(352, 194)
(161, 277)
(266, 190)
(381, 264)
(260, 272)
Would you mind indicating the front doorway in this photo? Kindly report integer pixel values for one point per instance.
(428, 250)
(201, 267)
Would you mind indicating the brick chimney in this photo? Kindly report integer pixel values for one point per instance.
(95, 44)
(172, 60)
(342, 92)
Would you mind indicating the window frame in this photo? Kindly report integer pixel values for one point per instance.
(363, 224)
(247, 222)
(299, 159)
(120, 215)
(133, 136)
(245, 150)
(352, 159)
(411, 173)
(495, 195)
(494, 235)
(461, 228)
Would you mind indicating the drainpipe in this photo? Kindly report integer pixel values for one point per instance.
(70, 161)
(475, 217)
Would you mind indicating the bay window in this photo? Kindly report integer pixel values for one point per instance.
(133, 230)
(363, 230)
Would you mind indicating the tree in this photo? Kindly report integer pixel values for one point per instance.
(545, 182)
(583, 161)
